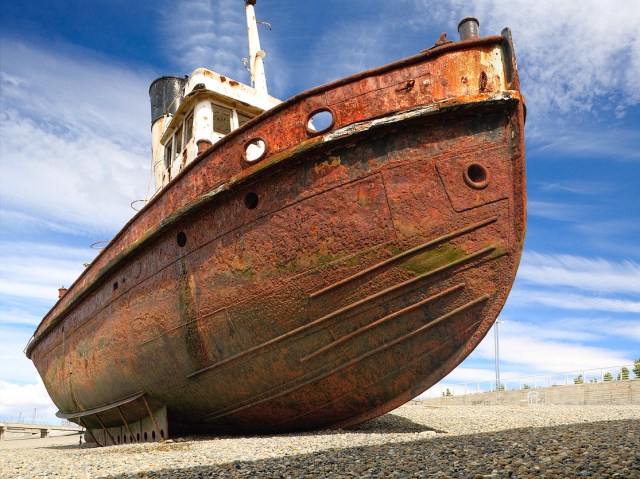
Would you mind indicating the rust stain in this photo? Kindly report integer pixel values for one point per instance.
(483, 82)
(327, 166)
(194, 341)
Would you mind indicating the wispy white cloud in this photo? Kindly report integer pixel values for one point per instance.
(549, 330)
(36, 270)
(576, 186)
(573, 301)
(569, 282)
(74, 143)
(72, 91)
(531, 349)
(595, 329)
(79, 182)
(558, 357)
(619, 144)
(624, 226)
(589, 274)
(554, 210)
(18, 316)
(27, 223)
(207, 33)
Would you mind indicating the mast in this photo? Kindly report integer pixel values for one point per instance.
(258, 78)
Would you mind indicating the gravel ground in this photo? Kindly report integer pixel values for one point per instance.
(413, 441)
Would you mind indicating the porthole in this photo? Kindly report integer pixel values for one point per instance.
(476, 176)
(138, 437)
(118, 439)
(255, 150)
(153, 435)
(181, 239)
(251, 200)
(145, 436)
(319, 121)
(162, 433)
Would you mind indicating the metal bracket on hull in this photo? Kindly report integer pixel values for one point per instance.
(94, 411)
(127, 420)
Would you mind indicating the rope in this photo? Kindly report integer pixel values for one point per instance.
(99, 244)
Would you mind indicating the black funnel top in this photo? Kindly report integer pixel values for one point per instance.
(166, 95)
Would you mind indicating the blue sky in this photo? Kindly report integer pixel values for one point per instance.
(75, 149)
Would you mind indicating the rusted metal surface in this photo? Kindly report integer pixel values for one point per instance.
(326, 283)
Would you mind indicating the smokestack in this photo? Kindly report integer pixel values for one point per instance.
(468, 28)
(165, 94)
(61, 292)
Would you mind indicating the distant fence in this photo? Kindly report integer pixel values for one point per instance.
(12, 430)
(20, 419)
(548, 380)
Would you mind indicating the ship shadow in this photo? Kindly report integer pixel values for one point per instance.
(386, 424)
(430, 456)
(390, 424)
(61, 447)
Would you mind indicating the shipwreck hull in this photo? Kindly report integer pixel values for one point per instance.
(329, 282)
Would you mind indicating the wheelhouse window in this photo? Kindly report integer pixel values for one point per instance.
(221, 120)
(188, 127)
(225, 120)
(178, 140)
(242, 119)
(168, 154)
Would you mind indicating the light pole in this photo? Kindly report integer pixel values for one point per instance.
(497, 347)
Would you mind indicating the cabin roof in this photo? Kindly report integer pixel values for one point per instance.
(220, 89)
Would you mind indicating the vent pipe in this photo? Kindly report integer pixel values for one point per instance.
(468, 28)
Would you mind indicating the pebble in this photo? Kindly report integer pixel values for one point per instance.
(414, 441)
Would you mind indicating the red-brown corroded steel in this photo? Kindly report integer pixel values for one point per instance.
(326, 284)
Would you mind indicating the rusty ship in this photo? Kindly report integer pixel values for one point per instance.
(311, 263)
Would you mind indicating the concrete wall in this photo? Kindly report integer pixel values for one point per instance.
(614, 392)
